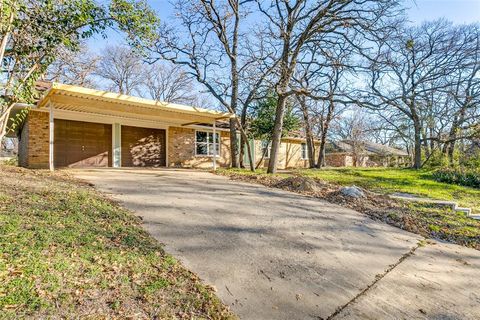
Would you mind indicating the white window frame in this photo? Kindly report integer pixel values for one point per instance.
(208, 143)
(268, 146)
(302, 151)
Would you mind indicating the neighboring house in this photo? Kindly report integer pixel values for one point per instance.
(292, 153)
(348, 153)
(73, 126)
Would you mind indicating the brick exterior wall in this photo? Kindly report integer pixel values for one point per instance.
(181, 149)
(34, 145)
(346, 160)
(337, 160)
(33, 150)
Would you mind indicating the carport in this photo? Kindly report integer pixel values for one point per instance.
(94, 128)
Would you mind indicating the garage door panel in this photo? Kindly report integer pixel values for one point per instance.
(143, 147)
(82, 144)
(95, 160)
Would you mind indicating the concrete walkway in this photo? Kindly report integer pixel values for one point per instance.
(272, 254)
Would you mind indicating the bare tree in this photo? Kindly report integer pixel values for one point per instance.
(293, 24)
(170, 84)
(410, 65)
(353, 129)
(307, 124)
(465, 93)
(323, 74)
(255, 84)
(122, 68)
(207, 46)
(73, 67)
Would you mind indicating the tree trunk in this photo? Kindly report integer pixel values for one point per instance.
(417, 154)
(311, 151)
(245, 137)
(233, 122)
(308, 132)
(452, 136)
(277, 132)
(324, 159)
(432, 142)
(241, 153)
(233, 143)
(264, 153)
(321, 152)
(325, 127)
(6, 35)
(450, 153)
(243, 120)
(249, 151)
(4, 117)
(425, 141)
(235, 82)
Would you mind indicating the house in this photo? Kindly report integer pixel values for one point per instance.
(72, 126)
(293, 154)
(348, 153)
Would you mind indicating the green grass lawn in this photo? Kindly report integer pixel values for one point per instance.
(68, 252)
(387, 180)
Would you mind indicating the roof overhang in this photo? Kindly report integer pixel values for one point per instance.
(80, 99)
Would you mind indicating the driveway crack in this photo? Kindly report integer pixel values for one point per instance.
(378, 277)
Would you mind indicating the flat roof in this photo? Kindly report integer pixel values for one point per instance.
(63, 96)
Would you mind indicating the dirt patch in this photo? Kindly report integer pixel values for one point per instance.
(428, 220)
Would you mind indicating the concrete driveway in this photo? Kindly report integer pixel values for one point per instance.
(272, 254)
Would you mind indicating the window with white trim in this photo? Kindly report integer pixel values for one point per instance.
(266, 148)
(304, 151)
(204, 144)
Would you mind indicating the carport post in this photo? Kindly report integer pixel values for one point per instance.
(215, 146)
(50, 139)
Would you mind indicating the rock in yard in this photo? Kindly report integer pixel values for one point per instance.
(353, 191)
(299, 184)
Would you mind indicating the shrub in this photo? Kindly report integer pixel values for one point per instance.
(471, 160)
(460, 176)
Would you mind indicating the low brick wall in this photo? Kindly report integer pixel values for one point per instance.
(337, 160)
(33, 148)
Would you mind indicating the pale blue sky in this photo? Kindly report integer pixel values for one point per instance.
(458, 11)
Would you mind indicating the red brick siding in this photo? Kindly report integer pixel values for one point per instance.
(181, 149)
(33, 144)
